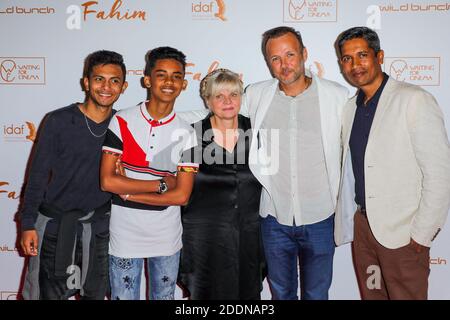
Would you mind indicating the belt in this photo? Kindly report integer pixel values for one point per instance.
(362, 210)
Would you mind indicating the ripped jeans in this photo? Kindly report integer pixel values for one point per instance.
(125, 277)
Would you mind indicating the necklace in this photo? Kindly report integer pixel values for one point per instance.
(89, 128)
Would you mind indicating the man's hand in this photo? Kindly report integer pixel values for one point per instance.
(417, 246)
(171, 182)
(29, 242)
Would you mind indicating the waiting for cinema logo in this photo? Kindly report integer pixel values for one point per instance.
(309, 11)
(22, 70)
(422, 71)
(209, 10)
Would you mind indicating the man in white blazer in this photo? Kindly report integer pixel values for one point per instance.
(395, 176)
(295, 153)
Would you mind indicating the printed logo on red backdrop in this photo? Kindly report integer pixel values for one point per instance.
(8, 295)
(310, 10)
(209, 10)
(23, 132)
(22, 70)
(19, 10)
(401, 7)
(422, 71)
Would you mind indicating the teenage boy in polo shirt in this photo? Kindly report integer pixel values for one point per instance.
(148, 140)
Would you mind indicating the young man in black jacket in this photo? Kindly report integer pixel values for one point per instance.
(65, 214)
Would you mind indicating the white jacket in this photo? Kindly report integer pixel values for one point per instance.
(407, 169)
(256, 102)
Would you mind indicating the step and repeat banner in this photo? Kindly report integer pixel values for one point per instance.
(44, 43)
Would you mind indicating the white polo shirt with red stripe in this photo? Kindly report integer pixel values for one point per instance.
(150, 150)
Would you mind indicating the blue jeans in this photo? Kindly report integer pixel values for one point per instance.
(311, 245)
(125, 277)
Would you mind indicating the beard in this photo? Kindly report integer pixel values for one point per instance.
(291, 77)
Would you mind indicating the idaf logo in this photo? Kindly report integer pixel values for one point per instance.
(19, 132)
(422, 71)
(309, 11)
(22, 70)
(209, 10)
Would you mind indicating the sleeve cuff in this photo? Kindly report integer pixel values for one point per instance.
(27, 224)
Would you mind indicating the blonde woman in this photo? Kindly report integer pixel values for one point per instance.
(222, 256)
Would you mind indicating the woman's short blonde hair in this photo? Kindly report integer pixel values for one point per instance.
(220, 79)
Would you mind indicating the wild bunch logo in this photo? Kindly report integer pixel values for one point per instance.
(423, 71)
(22, 70)
(7, 249)
(18, 10)
(396, 7)
(310, 11)
(19, 132)
(212, 10)
(91, 10)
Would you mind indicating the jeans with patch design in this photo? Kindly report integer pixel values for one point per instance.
(125, 277)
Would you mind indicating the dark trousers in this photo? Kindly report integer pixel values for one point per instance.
(96, 285)
(382, 273)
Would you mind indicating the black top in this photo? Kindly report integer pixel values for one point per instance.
(359, 136)
(65, 166)
(222, 256)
